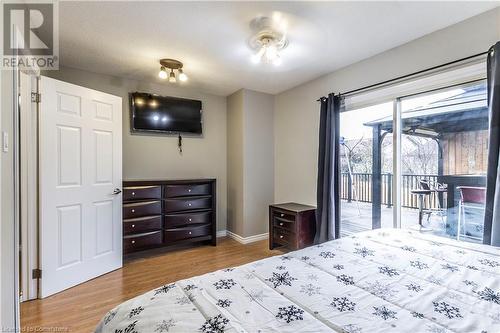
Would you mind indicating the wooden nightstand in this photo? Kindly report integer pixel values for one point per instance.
(291, 225)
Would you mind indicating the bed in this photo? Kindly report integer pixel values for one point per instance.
(385, 280)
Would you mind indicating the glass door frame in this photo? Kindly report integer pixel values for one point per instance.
(396, 162)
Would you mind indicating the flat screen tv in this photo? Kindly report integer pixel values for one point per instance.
(165, 115)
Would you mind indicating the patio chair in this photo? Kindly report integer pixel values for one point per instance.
(421, 193)
(428, 188)
(436, 188)
(470, 198)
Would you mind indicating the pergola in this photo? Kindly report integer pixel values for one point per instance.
(464, 112)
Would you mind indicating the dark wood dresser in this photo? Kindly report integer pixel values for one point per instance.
(291, 225)
(168, 212)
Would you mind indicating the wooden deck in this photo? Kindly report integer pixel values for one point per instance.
(357, 217)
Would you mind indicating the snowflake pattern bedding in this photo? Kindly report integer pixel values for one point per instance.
(385, 280)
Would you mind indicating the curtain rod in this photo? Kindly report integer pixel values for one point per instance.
(371, 86)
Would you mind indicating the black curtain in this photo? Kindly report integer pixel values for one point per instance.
(492, 212)
(328, 187)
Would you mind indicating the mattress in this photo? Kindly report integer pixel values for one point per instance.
(386, 280)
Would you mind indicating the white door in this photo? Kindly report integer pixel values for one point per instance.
(80, 177)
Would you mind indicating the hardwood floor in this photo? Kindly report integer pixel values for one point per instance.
(80, 308)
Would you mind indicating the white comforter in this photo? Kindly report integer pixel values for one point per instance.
(379, 281)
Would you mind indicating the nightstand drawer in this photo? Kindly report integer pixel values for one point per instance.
(178, 205)
(172, 191)
(283, 236)
(142, 224)
(138, 209)
(188, 232)
(131, 243)
(176, 220)
(284, 216)
(284, 223)
(141, 193)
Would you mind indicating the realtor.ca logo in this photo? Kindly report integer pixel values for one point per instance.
(30, 38)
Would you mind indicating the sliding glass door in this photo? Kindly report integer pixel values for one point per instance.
(444, 149)
(417, 162)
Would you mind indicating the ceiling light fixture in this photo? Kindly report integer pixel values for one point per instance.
(266, 42)
(171, 64)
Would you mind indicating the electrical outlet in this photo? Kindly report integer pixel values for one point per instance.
(5, 142)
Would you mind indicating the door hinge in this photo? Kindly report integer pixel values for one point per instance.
(36, 273)
(36, 97)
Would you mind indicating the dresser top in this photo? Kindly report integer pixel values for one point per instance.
(293, 207)
(132, 182)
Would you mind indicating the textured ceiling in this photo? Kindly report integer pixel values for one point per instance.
(127, 39)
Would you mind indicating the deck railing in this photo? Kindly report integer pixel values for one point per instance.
(360, 189)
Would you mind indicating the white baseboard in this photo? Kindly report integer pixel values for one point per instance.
(221, 233)
(246, 240)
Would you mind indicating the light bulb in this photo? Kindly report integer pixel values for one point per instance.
(163, 73)
(182, 75)
(171, 77)
(257, 57)
(271, 53)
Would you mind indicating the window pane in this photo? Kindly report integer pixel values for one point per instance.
(359, 208)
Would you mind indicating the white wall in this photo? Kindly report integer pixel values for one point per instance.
(297, 112)
(157, 157)
(250, 161)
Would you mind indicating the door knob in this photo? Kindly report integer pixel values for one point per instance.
(117, 191)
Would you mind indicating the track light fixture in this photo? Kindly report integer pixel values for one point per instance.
(171, 64)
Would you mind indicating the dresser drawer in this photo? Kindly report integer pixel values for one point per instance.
(283, 236)
(141, 193)
(284, 223)
(172, 191)
(175, 220)
(284, 215)
(134, 242)
(138, 209)
(187, 232)
(176, 205)
(142, 224)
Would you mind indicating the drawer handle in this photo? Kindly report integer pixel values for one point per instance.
(133, 225)
(190, 232)
(133, 210)
(133, 193)
(133, 242)
(281, 236)
(189, 190)
(190, 220)
(281, 224)
(282, 215)
(189, 204)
